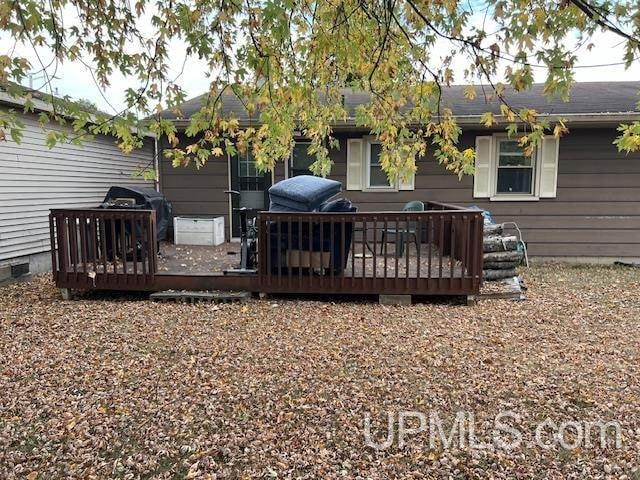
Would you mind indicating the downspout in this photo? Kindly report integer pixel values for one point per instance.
(229, 187)
(156, 164)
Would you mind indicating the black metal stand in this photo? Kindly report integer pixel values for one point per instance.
(248, 245)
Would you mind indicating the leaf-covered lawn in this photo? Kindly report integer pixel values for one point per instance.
(109, 388)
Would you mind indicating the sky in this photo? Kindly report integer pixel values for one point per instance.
(75, 79)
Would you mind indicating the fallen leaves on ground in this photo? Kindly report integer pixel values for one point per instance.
(109, 387)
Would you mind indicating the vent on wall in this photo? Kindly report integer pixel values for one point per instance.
(19, 269)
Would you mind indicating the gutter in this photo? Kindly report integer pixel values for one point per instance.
(156, 164)
(578, 119)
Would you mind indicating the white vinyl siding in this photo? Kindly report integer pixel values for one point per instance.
(34, 179)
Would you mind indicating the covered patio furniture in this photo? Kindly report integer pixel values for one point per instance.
(308, 245)
(316, 246)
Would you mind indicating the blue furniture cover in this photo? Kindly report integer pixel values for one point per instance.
(304, 193)
(276, 207)
(337, 206)
(312, 237)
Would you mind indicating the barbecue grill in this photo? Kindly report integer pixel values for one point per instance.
(141, 198)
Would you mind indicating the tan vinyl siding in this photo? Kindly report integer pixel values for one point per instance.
(596, 212)
(197, 192)
(34, 178)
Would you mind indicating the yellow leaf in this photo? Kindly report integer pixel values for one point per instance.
(487, 119)
(560, 130)
(216, 152)
(432, 456)
(102, 410)
(244, 309)
(192, 148)
(470, 92)
(32, 476)
(507, 112)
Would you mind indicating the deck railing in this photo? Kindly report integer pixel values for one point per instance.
(438, 251)
(435, 252)
(109, 249)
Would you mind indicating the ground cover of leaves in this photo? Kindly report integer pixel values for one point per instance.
(109, 387)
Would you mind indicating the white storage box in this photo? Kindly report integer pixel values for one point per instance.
(198, 231)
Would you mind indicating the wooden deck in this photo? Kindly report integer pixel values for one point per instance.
(298, 253)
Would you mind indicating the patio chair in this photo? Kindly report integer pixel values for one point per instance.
(409, 230)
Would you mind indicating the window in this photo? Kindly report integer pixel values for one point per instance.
(363, 168)
(515, 173)
(504, 173)
(249, 176)
(301, 160)
(376, 178)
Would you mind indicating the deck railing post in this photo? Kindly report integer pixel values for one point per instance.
(82, 223)
(289, 248)
(153, 244)
(54, 244)
(94, 241)
(478, 248)
(73, 243)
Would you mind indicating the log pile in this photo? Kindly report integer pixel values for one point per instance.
(501, 255)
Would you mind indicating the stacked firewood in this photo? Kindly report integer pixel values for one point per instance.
(501, 254)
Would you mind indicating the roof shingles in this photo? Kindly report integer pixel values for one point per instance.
(585, 98)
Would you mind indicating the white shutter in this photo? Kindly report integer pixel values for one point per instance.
(407, 184)
(355, 162)
(548, 158)
(482, 176)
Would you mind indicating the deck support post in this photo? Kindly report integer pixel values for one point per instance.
(394, 299)
(66, 294)
(472, 300)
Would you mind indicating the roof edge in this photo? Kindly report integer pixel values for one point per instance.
(594, 119)
(41, 106)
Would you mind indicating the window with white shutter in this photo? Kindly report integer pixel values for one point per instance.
(364, 171)
(504, 172)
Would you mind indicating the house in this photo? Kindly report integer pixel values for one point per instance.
(34, 179)
(577, 199)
